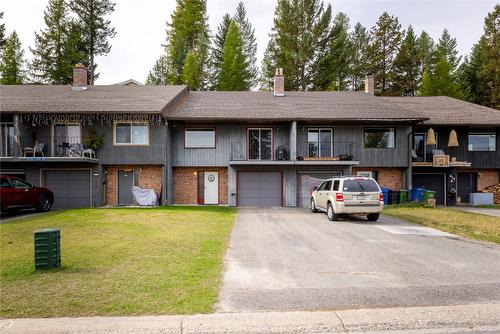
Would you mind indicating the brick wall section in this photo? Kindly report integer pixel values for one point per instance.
(186, 184)
(150, 176)
(487, 178)
(393, 178)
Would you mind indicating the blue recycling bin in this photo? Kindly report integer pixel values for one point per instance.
(387, 193)
(417, 195)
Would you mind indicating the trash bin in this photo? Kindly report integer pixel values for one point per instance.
(387, 195)
(403, 196)
(428, 194)
(417, 195)
(47, 248)
(395, 197)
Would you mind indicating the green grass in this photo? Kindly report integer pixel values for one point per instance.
(117, 262)
(494, 206)
(465, 224)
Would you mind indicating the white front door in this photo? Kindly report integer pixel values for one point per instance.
(211, 188)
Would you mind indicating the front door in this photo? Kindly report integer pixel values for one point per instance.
(125, 184)
(466, 185)
(211, 191)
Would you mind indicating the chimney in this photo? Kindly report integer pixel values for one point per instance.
(370, 84)
(79, 77)
(279, 83)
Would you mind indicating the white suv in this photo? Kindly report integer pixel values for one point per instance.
(348, 195)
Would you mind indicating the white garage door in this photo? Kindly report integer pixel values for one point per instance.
(262, 189)
(71, 188)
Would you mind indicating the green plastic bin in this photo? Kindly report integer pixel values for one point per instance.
(428, 194)
(403, 196)
(47, 248)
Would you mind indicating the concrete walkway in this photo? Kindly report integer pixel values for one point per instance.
(483, 211)
(479, 318)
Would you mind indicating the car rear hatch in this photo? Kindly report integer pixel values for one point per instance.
(361, 192)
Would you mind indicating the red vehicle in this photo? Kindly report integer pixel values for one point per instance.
(18, 194)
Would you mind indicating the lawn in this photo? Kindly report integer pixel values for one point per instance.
(465, 224)
(117, 262)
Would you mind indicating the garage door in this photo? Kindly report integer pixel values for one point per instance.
(259, 189)
(307, 181)
(71, 188)
(434, 182)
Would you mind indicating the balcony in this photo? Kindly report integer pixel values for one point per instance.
(56, 149)
(436, 158)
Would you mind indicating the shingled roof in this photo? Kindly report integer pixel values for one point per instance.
(97, 99)
(443, 110)
(305, 106)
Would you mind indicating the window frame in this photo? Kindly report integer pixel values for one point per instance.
(53, 138)
(260, 143)
(481, 134)
(379, 128)
(319, 141)
(115, 123)
(198, 129)
(432, 147)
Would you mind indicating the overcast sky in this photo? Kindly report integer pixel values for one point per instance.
(140, 25)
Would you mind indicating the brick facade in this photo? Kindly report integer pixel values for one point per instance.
(186, 184)
(393, 178)
(150, 176)
(486, 178)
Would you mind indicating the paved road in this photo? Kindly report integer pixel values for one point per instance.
(483, 211)
(290, 259)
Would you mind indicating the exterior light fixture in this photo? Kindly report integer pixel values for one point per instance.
(431, 137)
(452, 140)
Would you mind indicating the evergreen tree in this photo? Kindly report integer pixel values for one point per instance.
(187, 32)
(359, 60)
(298, 38)
(333, 69)
(385, 43)
(249, 41)
(2, 32)
(407, 66)
(12, 62)
(95, 30)
(158, 74)
(56, 47)
(426, 52)
(268, 67)
(490, 51)
(217, 49)
(441, 81)
(472, 87)
(234, 75)
(447, 47)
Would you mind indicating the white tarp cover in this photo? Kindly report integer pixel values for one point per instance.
(146, 197)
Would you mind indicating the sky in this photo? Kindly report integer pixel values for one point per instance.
(140, 25)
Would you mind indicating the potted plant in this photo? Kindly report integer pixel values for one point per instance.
(93, 140)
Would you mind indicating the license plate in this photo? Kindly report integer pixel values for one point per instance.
(362, 198)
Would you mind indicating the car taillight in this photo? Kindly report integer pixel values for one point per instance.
(381, 198)
(339, 197)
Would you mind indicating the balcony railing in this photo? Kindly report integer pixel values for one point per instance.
(46, 147)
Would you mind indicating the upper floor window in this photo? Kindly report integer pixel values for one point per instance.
(320, 143)
(482, 142)
(260, 144)
(199, 138)
(380, 138)
(127, 133)
(421, 151)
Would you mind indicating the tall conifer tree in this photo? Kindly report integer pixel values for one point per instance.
(359, 59)
(158, 74)
(447, 47)
(249, 42)
(12, 62)
(406, 66)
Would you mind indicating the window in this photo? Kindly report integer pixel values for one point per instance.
(482, 142)
(325, 186)
(422, 152)
(260, 144)
(4, 183)
(336, 185)
(320, 143)
(199, 138)
(7, 139)
(131, 134)
(65, 135)
(380, 138)
(18, 184)
(360, 186)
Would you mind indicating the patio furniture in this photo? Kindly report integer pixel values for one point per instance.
(88, 152)
(75, 150)
(65, 147)
(37, 148)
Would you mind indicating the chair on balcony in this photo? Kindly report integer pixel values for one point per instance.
(76, 150)
(88, 152)
(37, 148)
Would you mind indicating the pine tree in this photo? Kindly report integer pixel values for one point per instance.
(441, 81)
(359, 41)
(158, 74)
(12, 62)
(268, 67)
(447, 47)
(407, 66)
(385, 43)
(56, 47)
(234, 75)
(95, 30)
(249, 42)
(216, 51)
(426, 53)
(299, 35)
(2, 32)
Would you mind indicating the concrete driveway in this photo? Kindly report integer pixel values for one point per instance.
(291, 259)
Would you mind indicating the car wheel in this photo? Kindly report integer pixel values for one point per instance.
(44, 204)
(313, 206)
(331, 213)
(373, 217)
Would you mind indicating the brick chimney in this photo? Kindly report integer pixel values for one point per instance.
(370, 84)
(279, 83)
(79, 77)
